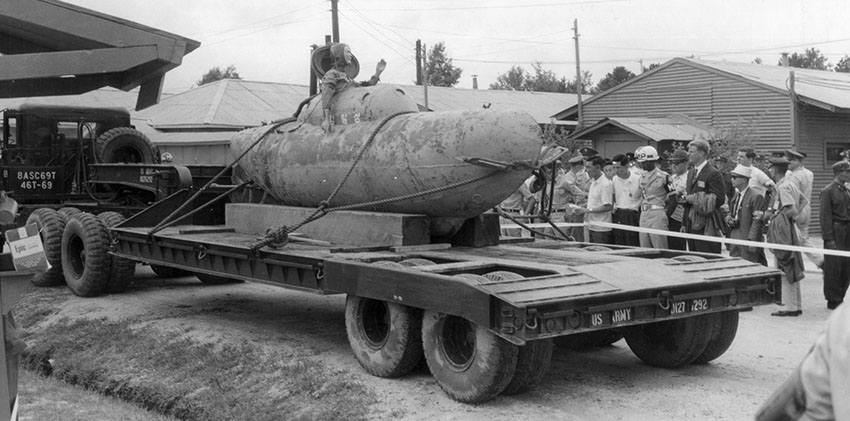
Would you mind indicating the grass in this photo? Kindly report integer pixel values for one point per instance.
(173, 374)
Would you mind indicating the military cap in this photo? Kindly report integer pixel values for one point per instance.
(840, 166)
(792, 154)
(630, 156)
(588, 152)
(578, 159)
(778, 160)
(742, 171)
(679, 155)
(701, 144)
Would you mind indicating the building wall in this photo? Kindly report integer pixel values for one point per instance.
(821, 135)
(710, 98)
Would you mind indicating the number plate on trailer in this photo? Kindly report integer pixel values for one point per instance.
(690, 306)
(612, 317)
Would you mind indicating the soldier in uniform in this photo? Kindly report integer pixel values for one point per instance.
(746, 210)
(804, 179)
(654, 187)
(675, 211)
(835, 229)
(782, 230)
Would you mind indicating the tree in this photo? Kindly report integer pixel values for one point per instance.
(517, 79)
(586, 84)
(651, 66)
(617, 76)
(811, 59)
(843, 65)
(757, 60)
(728, 138)
(544, 80)
(216, 73)
(512, 80)
(441, 71)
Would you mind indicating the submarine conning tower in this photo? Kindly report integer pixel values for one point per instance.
(360, 105)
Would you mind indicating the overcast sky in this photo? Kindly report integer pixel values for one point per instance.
(269, 40)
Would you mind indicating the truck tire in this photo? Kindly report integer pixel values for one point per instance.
(670, 343)
(121, 270)
(50, 227)
(386, 338)
(586, 340)
(166, 272)
(127, 145)
(469, 362)
(724, 329)
(68, 211)
(532, 364)
(85, 255)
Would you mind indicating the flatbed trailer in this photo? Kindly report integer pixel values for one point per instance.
(485, 317)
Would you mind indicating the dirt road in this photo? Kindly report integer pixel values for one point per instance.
(603, 383)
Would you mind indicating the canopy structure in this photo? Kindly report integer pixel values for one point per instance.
(53, 48)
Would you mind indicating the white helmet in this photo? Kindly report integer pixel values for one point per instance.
(646, 153)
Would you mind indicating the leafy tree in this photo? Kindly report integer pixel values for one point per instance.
(512, 80)
(617, 76)
(544, 80)
(216, 73)
(441, 71)
(725, 140)
(843, 65)
(811, 59)
(518, 79)
(586, 84)
(757, 60)
(651, 66)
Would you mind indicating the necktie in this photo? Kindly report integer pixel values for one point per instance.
(738, 205)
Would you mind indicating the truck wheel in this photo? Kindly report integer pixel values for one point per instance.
(670, 343)
(67, 211)
(215, 280)
(470, 363)
(127, 145)
(586, 340)
(50, 226)
(386, 337)
(85, 255)
(532, 364)
(725, 327)
(166, 272)
(121, 270)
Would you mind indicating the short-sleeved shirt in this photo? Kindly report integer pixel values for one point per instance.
(759, 181)
(653, 186)
(601, 193)
(578, 184)
(518, 199)
(804, 179)
(627, 192)
(789, 194)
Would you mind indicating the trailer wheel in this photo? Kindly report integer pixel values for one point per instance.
(386, 337)
(586, 340)
(215, 280)
(85, 255)
(724, 329)
(50, 227)
(532, 364)
(166, 272)
(121, 270)
(670, 343)
(125, 145)
(470, 363)
(67, 211)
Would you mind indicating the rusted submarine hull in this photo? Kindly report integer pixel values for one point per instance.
(301, 165)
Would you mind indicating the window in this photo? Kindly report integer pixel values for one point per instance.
(834, 151)
(9, 130)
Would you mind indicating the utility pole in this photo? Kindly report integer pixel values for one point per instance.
(579, 84)
(335, 20)
(425, 73)
(418, 62)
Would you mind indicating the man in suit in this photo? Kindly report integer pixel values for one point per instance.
(706, 193)
(745, 217)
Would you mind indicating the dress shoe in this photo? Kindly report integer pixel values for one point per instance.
(787, 313)
(832, 305)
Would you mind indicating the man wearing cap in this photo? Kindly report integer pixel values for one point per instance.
(577, 182)
(781, 230)
(835, 228)
(705, 195)
(654, 187)
(804, 179)
(746, 210)
(759, 181)
(627, 201)
(599, 201)
(679, 185)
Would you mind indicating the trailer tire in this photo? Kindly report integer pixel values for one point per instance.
(85, 255)
(121, 270)
(386, 338)
(670, 343)
(67, 211)
(125, 145)
(469, 362)
(587, 340)
(166, 272)
(725, 327)
(532, 364)
(50, 226)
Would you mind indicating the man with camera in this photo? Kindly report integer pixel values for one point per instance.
(746, 210)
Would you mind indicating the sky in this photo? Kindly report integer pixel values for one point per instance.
(269, 40)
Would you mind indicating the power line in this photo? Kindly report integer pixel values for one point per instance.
(428, 9)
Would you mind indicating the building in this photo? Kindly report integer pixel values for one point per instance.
(784, 107)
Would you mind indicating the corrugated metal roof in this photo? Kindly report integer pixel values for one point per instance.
(676, 128)
(239, 103)
(104, 97)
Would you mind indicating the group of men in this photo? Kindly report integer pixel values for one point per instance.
(695, 197)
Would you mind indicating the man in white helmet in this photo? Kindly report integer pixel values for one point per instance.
(654, 187)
